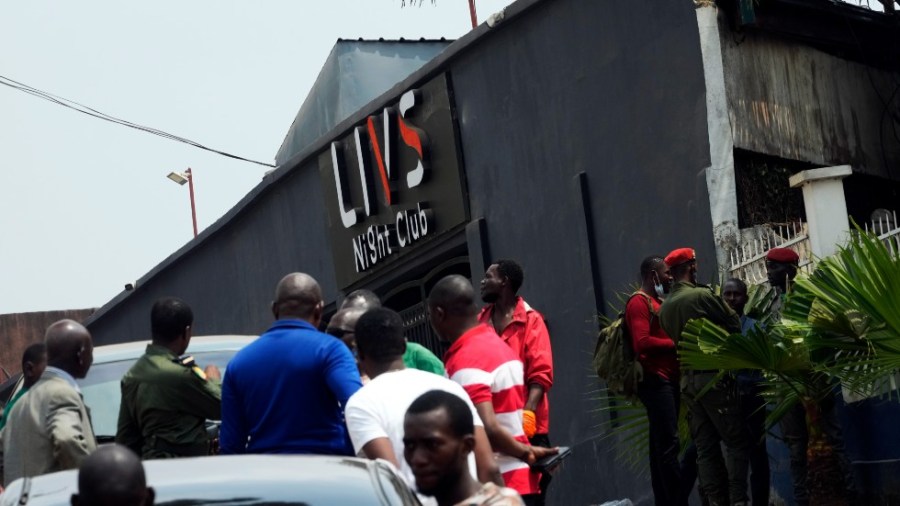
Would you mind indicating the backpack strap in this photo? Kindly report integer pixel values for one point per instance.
(646, 298)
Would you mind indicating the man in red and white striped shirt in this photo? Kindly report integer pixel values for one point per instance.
(491, 373)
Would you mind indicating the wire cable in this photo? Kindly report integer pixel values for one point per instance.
(71, 104)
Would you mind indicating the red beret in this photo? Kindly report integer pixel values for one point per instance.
(783, 255)
(680, 256)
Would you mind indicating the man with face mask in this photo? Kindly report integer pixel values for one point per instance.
(658, 391)
(714, 413)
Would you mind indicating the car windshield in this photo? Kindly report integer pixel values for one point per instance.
(102, 392)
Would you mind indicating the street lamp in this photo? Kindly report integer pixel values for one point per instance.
(187, 177)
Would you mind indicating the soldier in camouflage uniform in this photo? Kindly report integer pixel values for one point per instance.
(167, 398)
(715, 416)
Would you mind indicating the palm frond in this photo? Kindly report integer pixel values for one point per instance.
(775, 349)
(849, 310)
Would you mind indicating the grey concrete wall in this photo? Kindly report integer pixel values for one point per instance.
(796, 102)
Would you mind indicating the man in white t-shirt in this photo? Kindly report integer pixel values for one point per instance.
(375, 413)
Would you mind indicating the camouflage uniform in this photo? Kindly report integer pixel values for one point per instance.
(715, 416)
(166, 401)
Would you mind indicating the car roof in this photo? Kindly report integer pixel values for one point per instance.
(296, 477)
(199, 344)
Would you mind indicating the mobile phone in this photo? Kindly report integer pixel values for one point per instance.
(549, 462)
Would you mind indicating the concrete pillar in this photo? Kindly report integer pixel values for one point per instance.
(720, 179)
(826, 207)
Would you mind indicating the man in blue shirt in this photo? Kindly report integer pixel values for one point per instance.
(286, 391)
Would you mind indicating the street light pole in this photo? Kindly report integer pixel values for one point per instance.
(472, 14)
(187, 177)
(190, 178)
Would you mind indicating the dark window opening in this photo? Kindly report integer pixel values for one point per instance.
(764, 195)
(865, 194)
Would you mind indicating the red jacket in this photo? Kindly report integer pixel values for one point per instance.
(655, 350)
(527, 335)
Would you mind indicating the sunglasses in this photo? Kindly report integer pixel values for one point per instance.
(338, 333)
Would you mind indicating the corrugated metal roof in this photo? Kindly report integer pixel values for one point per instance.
(355, 73)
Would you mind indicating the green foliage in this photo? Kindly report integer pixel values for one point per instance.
(840, 324)
(760, 299)
(627, 428)
(777, 351)
(849, 310)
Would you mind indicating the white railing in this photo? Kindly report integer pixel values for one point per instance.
(748, 259)
(884, 224)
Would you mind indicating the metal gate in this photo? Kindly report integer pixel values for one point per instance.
(409, 299)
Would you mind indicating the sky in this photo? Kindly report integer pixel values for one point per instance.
(85, 205)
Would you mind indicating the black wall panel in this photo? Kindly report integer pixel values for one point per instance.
(615, 90)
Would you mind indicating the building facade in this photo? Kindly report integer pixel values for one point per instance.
(576, 137)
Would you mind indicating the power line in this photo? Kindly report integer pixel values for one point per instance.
(71, 104)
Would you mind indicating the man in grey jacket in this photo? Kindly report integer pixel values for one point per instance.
(49, 429)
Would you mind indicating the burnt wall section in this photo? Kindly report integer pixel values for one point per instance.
(790, 100)
(616, 91)
(229, 277)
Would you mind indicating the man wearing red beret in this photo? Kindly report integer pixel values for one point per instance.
(715, 416)
(781, 267)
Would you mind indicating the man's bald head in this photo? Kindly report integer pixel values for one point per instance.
(362, 298)
(298, 296)
(346, 319)
(451, 307)
(455, 295)
(69, 347)
(112, 476)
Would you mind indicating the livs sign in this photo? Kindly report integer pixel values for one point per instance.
(393, 181)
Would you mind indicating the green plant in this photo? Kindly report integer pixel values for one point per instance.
(849, 312)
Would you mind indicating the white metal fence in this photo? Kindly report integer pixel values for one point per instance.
(884, 224)
(748, 260)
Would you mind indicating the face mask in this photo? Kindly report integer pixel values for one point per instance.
(658, 287)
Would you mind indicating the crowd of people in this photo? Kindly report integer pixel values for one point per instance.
(466, 429)
(722, 410)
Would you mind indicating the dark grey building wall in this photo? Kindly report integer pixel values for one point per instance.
(228, 274)
(614, 90)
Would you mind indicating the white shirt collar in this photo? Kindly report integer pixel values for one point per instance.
(59, 373)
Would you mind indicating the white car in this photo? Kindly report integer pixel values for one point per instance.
(242, 480)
